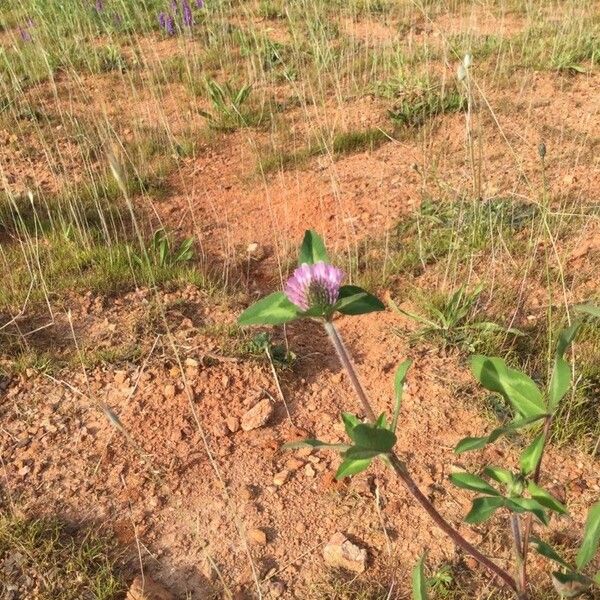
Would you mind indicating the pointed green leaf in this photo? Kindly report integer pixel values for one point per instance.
(483, 508)
(472, 443)
(588, 309)
(381, 422)
(591, 537)
(312, 249)
(312, 443)
(399, 380)
(560, 382)
(516, 387)
(356, 301)
(351, 466)
(520, 505)
(570, 585)
(596, 578)
(548, 551)
(468, 481)
(274, 309)
(566, 337)
(532, 454)
(500, 475)
(419, 583)
(373, 438)
(545, 498)
(350, 422)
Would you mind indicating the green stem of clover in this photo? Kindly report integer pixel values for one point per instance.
(402, 472)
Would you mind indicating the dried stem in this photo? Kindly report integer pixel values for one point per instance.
(403, 473)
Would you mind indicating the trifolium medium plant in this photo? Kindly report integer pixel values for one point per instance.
(316, 291)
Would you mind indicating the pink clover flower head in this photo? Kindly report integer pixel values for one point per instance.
(314, 286)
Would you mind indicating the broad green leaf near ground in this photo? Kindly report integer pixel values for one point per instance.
(516, 387)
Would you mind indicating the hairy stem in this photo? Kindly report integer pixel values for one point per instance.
(529, 518)
(402, 472)
(515, 526)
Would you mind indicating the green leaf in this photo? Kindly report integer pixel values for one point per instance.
(360, 452)
(399, 380)
(312, 443)
(545, 498)
(566, 337)
(500, 475)
(520, 505)
(352, 466)
(472, 443)
(591, 537)
(468, 481)
(419, 583)
(516, 387)
(560, 382)
(381, 422)
(548, 551)
(596, 578)
(588, 309)
(373, 438)
(274, 309)
(312, 249)
(356, 301)
(483, 508)
(532, 454)
(350, 422)
(570, 585)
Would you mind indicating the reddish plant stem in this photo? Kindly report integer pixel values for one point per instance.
(400, 469)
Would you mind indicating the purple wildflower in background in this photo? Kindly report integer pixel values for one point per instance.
(118, 19)
(25, 35)
(199, 3)
(99, 6)
(162, 20)
(188, 16)
(174, 5)
(170, 24)
(315, 285)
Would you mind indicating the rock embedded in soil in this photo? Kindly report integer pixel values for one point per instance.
(281, 477)
(258, 537)
(340, 552)
(233, 424)
(147, 589)
(276, 589)
(257, 416)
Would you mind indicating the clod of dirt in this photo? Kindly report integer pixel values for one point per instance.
(257, 416)
(276, 589)
(258, 537)
(281, 477)
(340, 552)
(233, 424)
(144, 588)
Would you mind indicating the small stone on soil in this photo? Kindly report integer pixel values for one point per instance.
(233, 424)
(258, 537)
(281, 477)
(147, 589)
(340, 552)
(257, 416)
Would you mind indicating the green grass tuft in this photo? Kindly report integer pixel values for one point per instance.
(43, 559)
